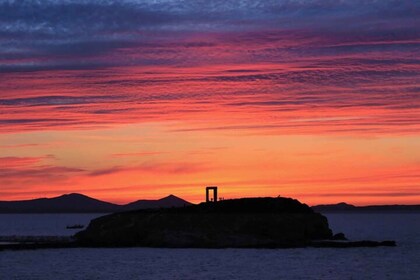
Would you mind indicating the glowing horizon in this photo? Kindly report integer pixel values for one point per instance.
(127, 100)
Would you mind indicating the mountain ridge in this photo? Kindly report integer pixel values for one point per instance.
(80, 203)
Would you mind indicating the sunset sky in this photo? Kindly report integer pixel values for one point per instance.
(125, 100)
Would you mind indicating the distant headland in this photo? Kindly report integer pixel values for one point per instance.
(349, 208)
(79, 203)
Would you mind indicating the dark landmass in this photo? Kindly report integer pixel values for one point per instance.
(68, 203)
(344, 207)
(238, 223)
(78, 203)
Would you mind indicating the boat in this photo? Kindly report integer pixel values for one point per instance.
(75, 226)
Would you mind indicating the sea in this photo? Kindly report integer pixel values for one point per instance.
(400, 262)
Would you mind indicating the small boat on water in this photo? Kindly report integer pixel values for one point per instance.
(75, 226)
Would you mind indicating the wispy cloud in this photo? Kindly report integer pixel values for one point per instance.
(138, 61)
(17, 162)
(51, 34)
(137, 154)
(163, 168)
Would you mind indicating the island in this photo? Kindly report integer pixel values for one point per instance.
(268, 222)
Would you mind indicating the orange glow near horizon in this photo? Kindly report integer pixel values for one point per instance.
(130, 162)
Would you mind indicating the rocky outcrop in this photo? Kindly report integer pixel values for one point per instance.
(239, 223)
(339, 236)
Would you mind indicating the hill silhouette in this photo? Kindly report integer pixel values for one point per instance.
(79, 203)
(166, 202)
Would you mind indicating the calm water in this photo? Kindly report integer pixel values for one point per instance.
(42, 224)
(401, 262)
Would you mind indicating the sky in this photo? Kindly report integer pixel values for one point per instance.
(124, 100)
